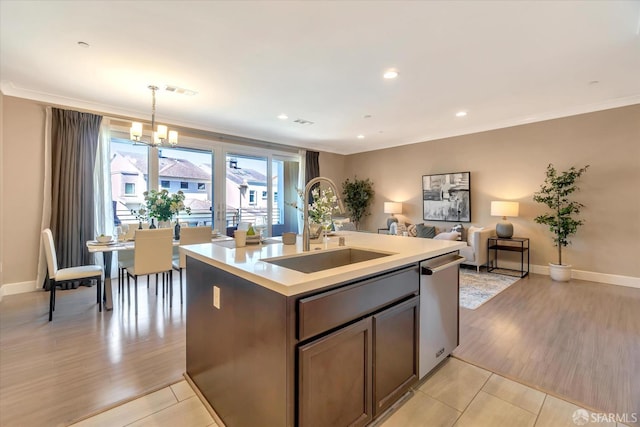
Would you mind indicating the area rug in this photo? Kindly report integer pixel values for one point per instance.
(478, 288)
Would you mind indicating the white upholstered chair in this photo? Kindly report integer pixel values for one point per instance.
(152, 255)
(70, 274)
(190, 236)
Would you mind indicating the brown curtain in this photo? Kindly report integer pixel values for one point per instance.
(311, 169)
(312, 166)
(74, 142)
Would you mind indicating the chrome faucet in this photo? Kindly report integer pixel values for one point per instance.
(306, 243)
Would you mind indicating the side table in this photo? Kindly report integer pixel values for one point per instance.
(513, 244)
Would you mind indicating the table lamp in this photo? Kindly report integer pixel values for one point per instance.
(504, 229)
(392, 208)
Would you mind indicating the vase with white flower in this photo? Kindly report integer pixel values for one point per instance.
(323, 205)
(162, 206)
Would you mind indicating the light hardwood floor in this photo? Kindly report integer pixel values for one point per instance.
(53, 373)
(579, 341)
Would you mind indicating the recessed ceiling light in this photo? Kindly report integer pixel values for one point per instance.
(283, 117)
(180, 90)
(390, 74)
(461, 113)
(360, 136)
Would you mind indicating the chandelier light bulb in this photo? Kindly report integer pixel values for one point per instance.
(136, 131)
(173, 138)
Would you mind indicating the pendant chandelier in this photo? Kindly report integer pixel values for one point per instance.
(160, 136)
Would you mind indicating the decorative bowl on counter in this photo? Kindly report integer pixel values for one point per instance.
(104, 239)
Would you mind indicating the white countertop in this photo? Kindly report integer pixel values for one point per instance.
(247, 262)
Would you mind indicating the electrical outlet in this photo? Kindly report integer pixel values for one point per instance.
(216, 297)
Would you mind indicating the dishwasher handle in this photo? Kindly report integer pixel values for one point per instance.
(428, 271)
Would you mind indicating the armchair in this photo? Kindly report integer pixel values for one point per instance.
(476, 251)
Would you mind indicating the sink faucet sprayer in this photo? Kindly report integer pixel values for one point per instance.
(306, 244)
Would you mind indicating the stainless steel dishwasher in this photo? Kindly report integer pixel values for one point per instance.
(439, 309)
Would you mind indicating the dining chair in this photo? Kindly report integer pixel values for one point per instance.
(190, 236)
(125, 258)
(71, 274)
(151, 255)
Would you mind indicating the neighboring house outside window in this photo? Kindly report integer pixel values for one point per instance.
(252, 197)
(184, 185)
(130, 189)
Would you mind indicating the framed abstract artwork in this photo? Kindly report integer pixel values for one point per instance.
(447, 197)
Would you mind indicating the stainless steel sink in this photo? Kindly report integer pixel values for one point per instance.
(324, 260)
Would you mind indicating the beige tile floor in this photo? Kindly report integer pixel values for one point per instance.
(458, 394)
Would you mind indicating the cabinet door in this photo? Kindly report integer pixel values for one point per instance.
(395, 353)
(335, 372)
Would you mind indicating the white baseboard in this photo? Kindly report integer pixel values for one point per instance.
(17, 288)
(592, 276)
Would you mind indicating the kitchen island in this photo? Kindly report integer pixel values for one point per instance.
(270, 345)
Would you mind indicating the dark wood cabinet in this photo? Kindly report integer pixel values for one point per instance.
(335, 378)
(395, 341)
(356, 373)
(338, 357)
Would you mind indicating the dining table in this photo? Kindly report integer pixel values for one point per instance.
(108, 248)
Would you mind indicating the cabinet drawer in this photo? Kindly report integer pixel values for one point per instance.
(327, 310)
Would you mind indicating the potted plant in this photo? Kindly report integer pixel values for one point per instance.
(358, 195)
(563, 219)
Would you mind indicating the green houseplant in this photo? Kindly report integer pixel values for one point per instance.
(563, 218)
(357, 197)
(162, 205)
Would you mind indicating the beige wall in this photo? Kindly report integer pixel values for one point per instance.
(333, 166)
(504, 164)
(509, 164)
(23, 162)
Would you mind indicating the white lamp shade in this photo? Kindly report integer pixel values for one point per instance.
(504, 209)
(173, 137)
(136, 130)
(162, 132)
(392, 207)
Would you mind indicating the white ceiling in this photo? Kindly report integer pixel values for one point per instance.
(505, 63)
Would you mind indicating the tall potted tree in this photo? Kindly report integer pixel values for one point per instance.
(562, 220)
(357, 197)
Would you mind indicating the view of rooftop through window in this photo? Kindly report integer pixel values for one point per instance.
(247, 196)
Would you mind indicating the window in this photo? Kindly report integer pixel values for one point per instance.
(129, 168)
(165, 183)
(264, 195)
(252, 197)
(186, 167)
(130, 189)
(275, 197)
